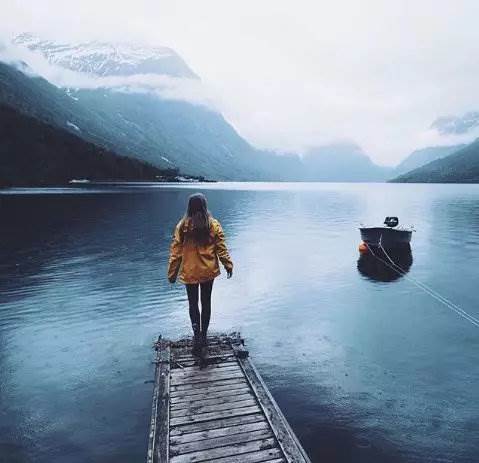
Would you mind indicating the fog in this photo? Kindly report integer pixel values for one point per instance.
(166, 87)
(291, 75)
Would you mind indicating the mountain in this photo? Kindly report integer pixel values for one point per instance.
(108, 59)
(36, 97)
(33, 153)
(193, 138)
(342, 163)
(164, 132)
(177, 133)
(459, 167)
(423, 156)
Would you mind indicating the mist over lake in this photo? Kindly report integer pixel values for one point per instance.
(365, 370)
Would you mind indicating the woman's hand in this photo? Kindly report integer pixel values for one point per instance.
(229, 273)
(172, 280)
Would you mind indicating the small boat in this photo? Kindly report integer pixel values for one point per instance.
(378, 267)
(75, 181)
(390, 236)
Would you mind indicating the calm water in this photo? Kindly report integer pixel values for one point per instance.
(365, 370)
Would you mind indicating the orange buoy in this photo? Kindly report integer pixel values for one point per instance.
(363, 248)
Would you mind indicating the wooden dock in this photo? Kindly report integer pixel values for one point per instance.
(216, 409)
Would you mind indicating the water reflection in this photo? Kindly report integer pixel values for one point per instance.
(376, 266)
(84, 293)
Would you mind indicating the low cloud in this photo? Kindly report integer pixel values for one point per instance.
(291, 76)
(432, 137)
(10, 55)
(173, 88)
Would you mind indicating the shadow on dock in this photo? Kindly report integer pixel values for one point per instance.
(377, 267)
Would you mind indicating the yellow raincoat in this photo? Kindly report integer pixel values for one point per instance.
(197, 263)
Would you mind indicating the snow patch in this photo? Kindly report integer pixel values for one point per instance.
(105, 59)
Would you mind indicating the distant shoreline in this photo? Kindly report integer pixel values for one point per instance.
(91, 185)
(98, 183)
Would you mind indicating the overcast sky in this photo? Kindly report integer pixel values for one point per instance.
(294, 74)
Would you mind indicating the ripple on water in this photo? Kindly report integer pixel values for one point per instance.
(375, 371)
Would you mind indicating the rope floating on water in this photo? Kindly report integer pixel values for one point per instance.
(427, 289)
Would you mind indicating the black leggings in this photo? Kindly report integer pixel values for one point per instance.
(192, 292)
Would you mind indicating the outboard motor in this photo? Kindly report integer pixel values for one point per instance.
(391, 222)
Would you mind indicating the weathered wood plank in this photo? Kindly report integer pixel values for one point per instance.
(187, 343)
(207, 375)
(223, 441)
(213, 349)
(264, 456)
(214, 415)
(176, 390)
(199, 409)
(287, 440)
(153, 436)
(214, 433)
(231, 391)
(199, 372)
(212, 359)
(205, 367)
(229, 450)
(216, 424)
(220, 411)
(240, 351)
(194, 364)
(179, 373)
(212, 352)
(158, 446)
(206, 379)
(198, 388)
(223, 399)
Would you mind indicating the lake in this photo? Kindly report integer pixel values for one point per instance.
(367, 367)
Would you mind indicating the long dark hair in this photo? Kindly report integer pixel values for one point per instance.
(196, 222)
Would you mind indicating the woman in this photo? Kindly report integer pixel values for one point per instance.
(198, 242)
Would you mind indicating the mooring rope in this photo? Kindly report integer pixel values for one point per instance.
(427, 289)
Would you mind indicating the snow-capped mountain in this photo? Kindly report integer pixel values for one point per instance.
(163, 131)
(109, 59)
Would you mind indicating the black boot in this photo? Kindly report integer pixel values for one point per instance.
(204, 344)
(204, 350)
(196, 349)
